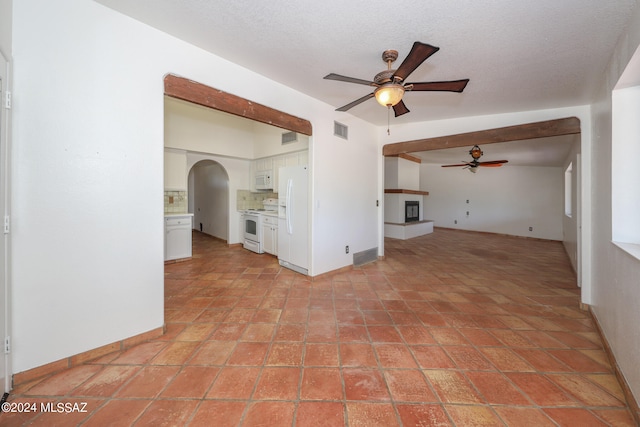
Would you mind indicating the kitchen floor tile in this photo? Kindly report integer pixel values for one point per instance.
(167, 412)
(436, 333)
(321, 355)
(467, 415)
(364, 384)
(496, 389)
(148, 382)
(234, 383)
(320, 414)
(423, 415)
(371, 414)
(266, 413)
(357, 355)
(517, 416)
(192, 382)
(278, 383)
(220, 413)
(408, 386)
(452, 387)
(321, 384)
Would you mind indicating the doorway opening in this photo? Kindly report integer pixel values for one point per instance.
(208, 201)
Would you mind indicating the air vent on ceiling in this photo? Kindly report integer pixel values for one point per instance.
(340, 130)
(289, 138)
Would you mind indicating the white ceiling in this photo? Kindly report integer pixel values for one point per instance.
(548, 152)
(519, 55)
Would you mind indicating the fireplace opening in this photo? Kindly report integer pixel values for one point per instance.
(411, 211)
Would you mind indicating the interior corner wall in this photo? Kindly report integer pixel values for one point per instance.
(507, 200)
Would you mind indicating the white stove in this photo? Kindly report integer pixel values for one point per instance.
(252, 224)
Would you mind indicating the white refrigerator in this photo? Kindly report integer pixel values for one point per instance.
(293, 221)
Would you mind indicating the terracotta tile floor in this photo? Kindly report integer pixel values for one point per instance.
(452, 328)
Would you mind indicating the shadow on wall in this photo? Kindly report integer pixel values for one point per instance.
(209, 198)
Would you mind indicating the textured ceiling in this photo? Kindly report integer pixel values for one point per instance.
(519, 55)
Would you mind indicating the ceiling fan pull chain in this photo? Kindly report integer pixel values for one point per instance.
(388, 119)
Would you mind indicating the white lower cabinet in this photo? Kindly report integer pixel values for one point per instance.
(270, 234)
(177, 237)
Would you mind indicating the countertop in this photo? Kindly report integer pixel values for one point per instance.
(178, 214)
(262, 212)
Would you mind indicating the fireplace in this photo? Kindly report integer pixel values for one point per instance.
(411, 210)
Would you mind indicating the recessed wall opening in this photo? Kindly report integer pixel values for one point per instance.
(625, 174)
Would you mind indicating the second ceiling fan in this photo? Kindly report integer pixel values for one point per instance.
(390, 86)
(473, 165)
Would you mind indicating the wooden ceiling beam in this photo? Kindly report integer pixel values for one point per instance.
(566, 126)
(197, 93)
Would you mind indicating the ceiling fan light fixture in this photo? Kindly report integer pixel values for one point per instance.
(389, 94)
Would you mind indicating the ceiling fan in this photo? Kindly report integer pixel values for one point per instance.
(390, 86)
(473, 165)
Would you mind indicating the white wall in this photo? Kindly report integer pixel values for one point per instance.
(195, 128)
(616, 289)
(401, 174)
(88, 155)
(570, 224)
(268, 141)
(344, 193)
(505, 200)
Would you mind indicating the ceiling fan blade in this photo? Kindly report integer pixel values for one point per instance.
(340, 78)
(462, 164)
(354, 103)
(493, 163)
(400, 109)
(418, 54)
(449, 86)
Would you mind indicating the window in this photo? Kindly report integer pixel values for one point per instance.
(568, 194)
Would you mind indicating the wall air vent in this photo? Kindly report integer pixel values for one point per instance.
(365, 257)
(289, 137)
(340, 130)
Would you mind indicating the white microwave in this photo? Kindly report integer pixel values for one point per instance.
(264, 181)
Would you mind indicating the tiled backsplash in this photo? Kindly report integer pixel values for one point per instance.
(248, 200)
(175, 202)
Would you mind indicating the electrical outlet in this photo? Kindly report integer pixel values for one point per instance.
(346, 249)
(530, 228)
(455, 221)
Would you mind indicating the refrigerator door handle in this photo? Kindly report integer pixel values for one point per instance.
(288, 208)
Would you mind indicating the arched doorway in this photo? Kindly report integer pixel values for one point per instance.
(208, 185)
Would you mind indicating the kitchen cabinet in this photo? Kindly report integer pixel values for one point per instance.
(175, 170)
(291, 159)
(270, 234)
(274, 163)
(177, 236)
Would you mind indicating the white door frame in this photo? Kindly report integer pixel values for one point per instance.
(5, 245)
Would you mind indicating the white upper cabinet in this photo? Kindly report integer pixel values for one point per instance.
(175, 170)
